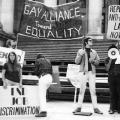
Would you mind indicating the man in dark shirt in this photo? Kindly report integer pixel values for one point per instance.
(114, 82)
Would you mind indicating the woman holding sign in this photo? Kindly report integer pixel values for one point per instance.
(12, 71)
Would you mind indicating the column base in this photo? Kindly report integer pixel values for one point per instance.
(95, 36)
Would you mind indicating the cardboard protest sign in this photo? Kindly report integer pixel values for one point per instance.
(74, 75)
(4, 54)
(113, 31)
(17, 101)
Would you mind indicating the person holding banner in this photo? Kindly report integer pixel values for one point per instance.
(43, 69)
(88, 59)
(113, 70)
(12, 71)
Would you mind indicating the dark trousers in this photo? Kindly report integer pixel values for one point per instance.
(114, 85)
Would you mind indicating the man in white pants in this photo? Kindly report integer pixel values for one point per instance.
(43, 69)
(88, 59)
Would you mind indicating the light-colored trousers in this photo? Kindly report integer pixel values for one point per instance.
(44, 84)
(90, 77)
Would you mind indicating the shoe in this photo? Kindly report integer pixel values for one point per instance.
(96, 110)
(111, 111)
(77, 110)
(42, 114)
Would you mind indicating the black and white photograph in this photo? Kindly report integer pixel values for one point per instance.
(59, 59)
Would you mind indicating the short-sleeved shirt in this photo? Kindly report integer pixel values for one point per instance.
(13, 75)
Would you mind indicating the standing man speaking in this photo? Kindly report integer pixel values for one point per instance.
(88, 60)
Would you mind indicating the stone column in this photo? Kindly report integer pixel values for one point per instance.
(62, 2)
(50, 3)
(95, 17)
(7, 15)
(0, 8)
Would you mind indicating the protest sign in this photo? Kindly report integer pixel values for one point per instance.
(4, 54)
(113, 31)
(17, 101)
(74, 75)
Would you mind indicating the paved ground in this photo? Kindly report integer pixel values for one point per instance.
(62, 110)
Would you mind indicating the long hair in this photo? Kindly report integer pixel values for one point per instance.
(42, 65)
(13, 66)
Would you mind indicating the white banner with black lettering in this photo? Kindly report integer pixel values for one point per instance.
(113, 31)
(16, 101)
(5, 51)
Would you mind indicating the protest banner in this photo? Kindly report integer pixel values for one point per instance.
(113, 30)
(61, 22)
